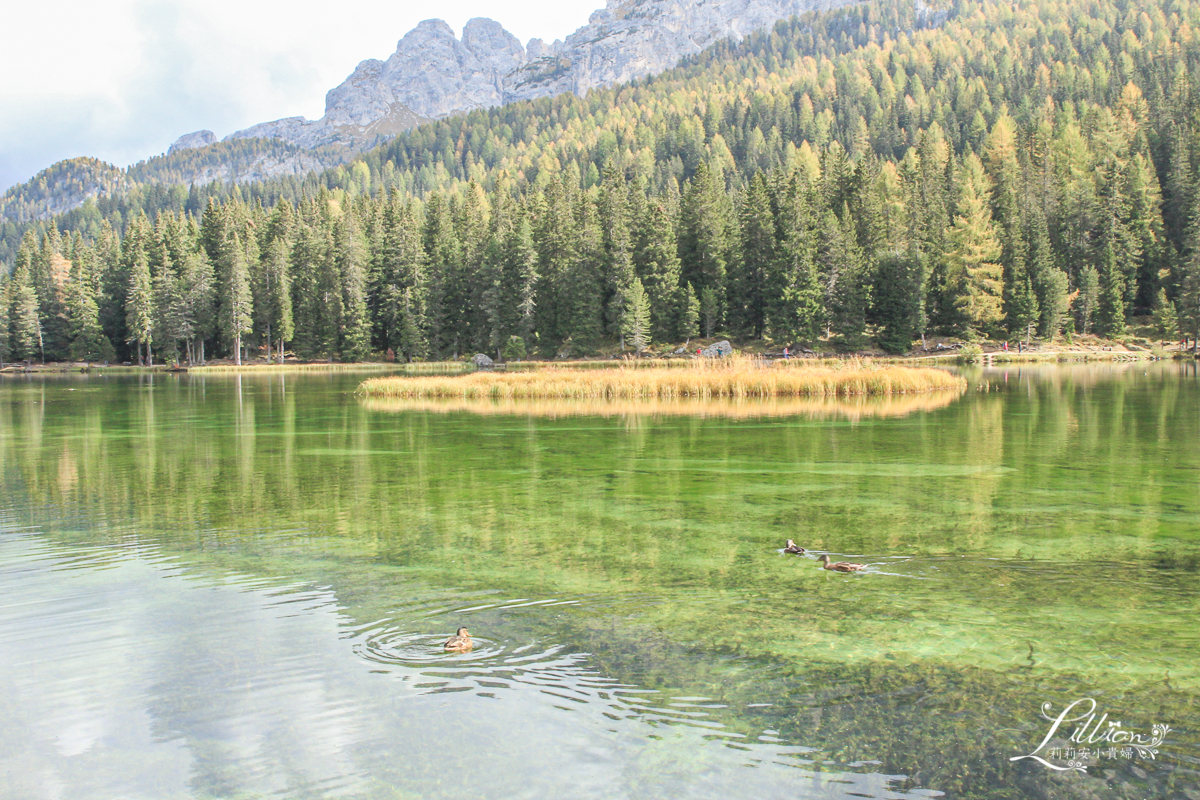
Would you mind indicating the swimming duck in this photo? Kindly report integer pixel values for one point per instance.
(839, 566)
(793, 548)
(459, 642)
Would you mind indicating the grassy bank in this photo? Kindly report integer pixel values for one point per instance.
(724, 378)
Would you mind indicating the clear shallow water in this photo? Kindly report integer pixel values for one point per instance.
(224, 587)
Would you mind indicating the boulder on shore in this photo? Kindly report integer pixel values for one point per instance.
(482, 361)
(718, 349)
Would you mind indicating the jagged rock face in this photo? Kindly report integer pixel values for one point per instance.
(190, 141)
(432, 74)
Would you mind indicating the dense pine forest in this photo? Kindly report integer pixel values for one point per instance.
(879, 173)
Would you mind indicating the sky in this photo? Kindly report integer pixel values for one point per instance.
(122, 79)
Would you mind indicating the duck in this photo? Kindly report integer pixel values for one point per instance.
(459, 642)
(793, 548)
(840, 566)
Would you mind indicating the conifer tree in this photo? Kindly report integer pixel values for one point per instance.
(793, 290)
(5, 319)
(26, 326)
(657, 262)
(618, 268)
(748, 292)
(1166, 322)
(235, 315)
(88, 342)
(898, 292)
(1089, 296)
(975, 278)
(277, 295)
(139, 307)
(636, 326)
(355, 326)
(704, 238)
(199, 296)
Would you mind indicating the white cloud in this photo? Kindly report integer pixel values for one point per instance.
(120, 80)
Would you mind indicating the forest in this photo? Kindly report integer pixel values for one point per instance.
(873, 174)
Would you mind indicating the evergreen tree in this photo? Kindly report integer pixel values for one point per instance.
(5, 319)
(26, 326)
(794, 293)
(748, 291)
(277, 295)
(139, 308)
(355, 326)
(636, 326)
(657, 261)
(898, 292)
(845, 280)
(975, 279)
(704, 238)
(235, 304)
(617, 241)
(1166, 322)
(1088, 298)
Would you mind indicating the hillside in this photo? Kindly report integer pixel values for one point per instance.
(873, 172)
(433, 74)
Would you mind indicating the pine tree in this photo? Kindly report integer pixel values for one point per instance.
(975, 278)
(748, 289)
(636, 326)
(355, 325)
(403, 293)
(793, 291)
(235, 314)
(199, 291)
(844, 276)
(277, 295)
(5, 319)
(26, 326)
(704, 238)
(898, 292)
(657, 261)
(1166, 322)
(1089, 296)
(618, 269)
(88, 342)
(139, 308)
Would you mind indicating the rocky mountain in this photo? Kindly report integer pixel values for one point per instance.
(434, 74)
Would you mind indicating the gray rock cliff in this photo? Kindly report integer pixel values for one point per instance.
(433, 74)
(190, 141)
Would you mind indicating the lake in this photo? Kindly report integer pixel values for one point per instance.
(231, 586)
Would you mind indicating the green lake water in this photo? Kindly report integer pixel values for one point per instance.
(237, 587)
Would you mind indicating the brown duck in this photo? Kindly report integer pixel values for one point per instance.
(839, 566)
(793, 548)
(459, 642)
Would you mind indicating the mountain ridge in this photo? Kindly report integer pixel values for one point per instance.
(431, 75)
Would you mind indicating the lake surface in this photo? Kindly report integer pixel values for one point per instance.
(237, 587)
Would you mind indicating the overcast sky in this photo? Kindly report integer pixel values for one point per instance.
(122, 79)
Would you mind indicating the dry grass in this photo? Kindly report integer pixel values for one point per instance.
(852, 408)
(733, 378)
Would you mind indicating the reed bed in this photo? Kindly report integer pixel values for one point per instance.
(725, 378)
(852, 408)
